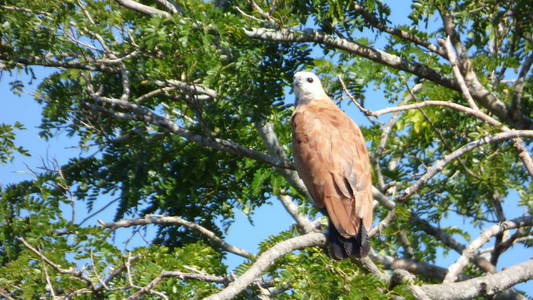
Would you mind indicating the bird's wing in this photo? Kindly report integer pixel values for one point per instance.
(332, 160)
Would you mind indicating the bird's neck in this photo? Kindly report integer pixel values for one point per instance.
(324, 100)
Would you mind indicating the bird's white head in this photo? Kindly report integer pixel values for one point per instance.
(307, 87)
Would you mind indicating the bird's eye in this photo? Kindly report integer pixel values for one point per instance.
(309, 79)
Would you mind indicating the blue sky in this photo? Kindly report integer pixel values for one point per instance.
(269, 219)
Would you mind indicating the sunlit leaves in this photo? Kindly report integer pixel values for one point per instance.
(147, 169)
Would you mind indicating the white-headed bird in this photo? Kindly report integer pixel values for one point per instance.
(331, 158)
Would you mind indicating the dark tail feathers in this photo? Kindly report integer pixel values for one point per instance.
(340, 247)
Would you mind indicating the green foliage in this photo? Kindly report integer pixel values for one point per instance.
(97, 46)
(7, 142)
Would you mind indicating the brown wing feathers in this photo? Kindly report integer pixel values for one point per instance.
(332, 160)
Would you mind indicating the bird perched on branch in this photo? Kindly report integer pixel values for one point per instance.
(331, 158)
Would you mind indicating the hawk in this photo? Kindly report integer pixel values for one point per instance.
(331, 158)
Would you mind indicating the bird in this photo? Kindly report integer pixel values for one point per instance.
(331, 158)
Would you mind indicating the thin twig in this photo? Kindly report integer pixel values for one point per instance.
(440, 164)
(143, 114)
(154, 93)
(166, 274)
(354, 101)
(374, 22)
(164, 220)
(70, 271)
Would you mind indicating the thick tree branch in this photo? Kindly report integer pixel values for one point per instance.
(144, 9)
(169, 5)
(482, 95)
(293, 210)
(455, 269)
(518, 143)
(265, 260)
(174, 220)
(481, 286)
(369, 266)
(275, 149)
(316, 36)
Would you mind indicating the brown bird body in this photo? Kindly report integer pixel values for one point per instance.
(332, 160)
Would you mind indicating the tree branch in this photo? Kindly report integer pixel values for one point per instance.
(293, 210)
(520, 84)
(265, 260)
(144, 9)
(189, 88)
(450, 52)
(274, 148)
(382, 57)
(57, 267)
(449, 241)
(47, 61)
(374, 22)
(440, 164)
(143, 114)
(412, 266)
(169, 5)
(166, 274)
(23, 9)
(503, 245)
(482, 95)
(484, 237)
(163, 220)
(469, 111)
(481, 286)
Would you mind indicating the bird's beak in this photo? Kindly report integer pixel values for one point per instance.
(296, 82)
